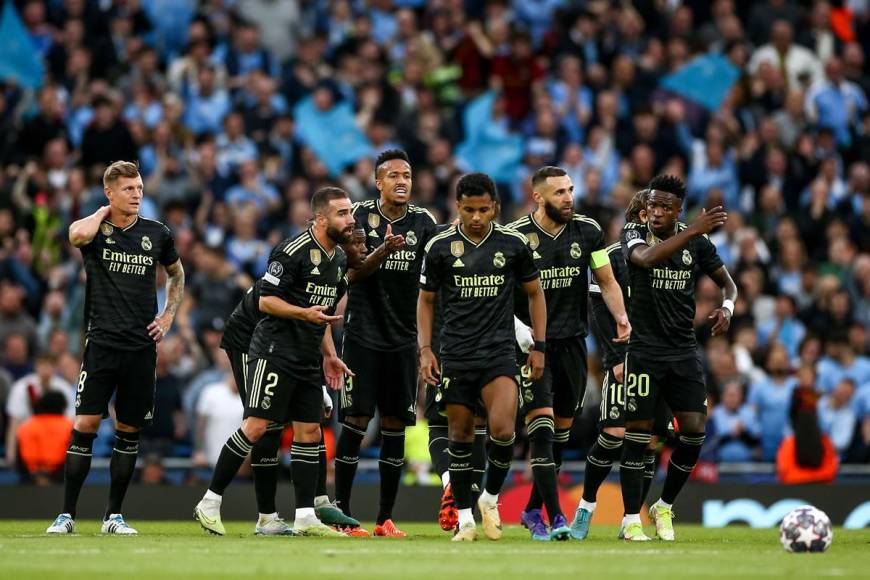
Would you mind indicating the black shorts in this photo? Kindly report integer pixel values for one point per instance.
(433, 410)
(680, 384)
(461, 384)
(612, 408)
(281, 395)
(128, 374)
(386, 381)
(239, 364)
(564, 380)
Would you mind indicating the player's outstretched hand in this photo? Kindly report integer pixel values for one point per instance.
(158, 329)
(317, 315)
(334, 370)
(722, 316)
(429, 367)
(393, 242)
(623, 331)
(710, 220)
(535, 363)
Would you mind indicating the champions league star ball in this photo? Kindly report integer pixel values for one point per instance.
(806, 529)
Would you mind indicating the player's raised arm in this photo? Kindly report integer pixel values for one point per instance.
(611, 292)
(425, 314)
(392, 242)
(722, 315)
(538, 316)
(82, 232)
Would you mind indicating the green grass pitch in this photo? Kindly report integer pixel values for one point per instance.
(182, 550)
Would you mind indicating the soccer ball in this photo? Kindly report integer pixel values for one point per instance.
(806, 529)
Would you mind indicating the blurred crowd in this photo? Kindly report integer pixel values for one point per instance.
(237, 110)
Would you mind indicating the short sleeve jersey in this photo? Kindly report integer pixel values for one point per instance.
(243, 320)
(564, 260)
(662, 306)
(476, 284)
(302, 273)
(602, 322)
(121, 290)
(382, 308)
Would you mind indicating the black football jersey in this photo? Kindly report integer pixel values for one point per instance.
(563, 260)
(243, 320)
(381, 309)
(476, 284)
(602, 322)
(662, 305)
(121, 290)
(302, 273)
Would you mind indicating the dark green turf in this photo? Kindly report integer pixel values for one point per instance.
(182, 550)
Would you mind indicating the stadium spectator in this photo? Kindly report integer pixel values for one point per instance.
(25, 395)
(807, 456)
(218, 414)
(43, 438)
(770, 399)
(837, 417)
(735, 426)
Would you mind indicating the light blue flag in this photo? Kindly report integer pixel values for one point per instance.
(705, 80)
(489, 147)
(332, 135)
(18, 57)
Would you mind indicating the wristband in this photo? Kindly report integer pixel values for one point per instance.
(729, 306)
(540, 346)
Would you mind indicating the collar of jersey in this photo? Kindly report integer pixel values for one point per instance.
(383, 215)
(543, 230)
(486, 237)
(314, 239)
(135, 221)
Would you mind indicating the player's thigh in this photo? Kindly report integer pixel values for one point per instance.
(686, 390)
(643, 385)
(358, 395)
(268, 391)
(98, 379)
(500, 395)
(239, 365)
(568, 363)
(396, 390)
(612, 408)
(663, 422)
(134, 401)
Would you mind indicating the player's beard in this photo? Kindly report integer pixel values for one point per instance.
(339, 236)
(555, 214)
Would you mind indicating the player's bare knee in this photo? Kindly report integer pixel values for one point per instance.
(358, 421)
(87, 423)
(393, 423)
(306, 432)
(535, 413)
(502, 431)
(562, 423)
(692, 422)
(124, 428)
(254, 428)
(639, 425)
(615, 431)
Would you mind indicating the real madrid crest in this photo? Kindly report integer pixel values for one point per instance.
(146, 243)
(534, 240)
(575, 251)
(411, 238)
(374, 220)
(107, 229)
(314, 255)
(687, 258)
(457, 248)
(498, 260)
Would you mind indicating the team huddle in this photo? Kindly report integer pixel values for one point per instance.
(492, 317)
